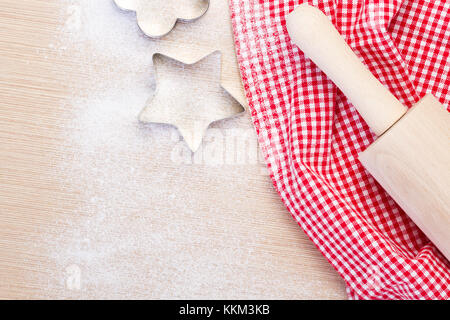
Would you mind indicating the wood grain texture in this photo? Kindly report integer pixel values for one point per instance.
(228, 215)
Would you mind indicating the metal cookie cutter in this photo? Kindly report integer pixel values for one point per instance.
(190, 96)
(156, 18)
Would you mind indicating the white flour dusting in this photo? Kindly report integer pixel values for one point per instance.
(136, 231)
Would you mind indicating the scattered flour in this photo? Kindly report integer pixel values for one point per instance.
(136, 231)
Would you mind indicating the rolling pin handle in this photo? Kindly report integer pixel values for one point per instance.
(316, 36)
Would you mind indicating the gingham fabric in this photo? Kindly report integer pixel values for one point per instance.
(311, 135)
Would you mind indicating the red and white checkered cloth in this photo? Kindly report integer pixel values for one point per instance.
(311, 135)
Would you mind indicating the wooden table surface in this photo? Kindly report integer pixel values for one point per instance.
(94, 206)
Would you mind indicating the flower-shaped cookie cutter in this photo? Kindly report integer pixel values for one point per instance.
(157, 18)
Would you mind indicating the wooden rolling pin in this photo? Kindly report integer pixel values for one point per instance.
(411, 157)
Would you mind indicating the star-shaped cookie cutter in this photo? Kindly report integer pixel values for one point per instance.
(157, 18)
(190, 96)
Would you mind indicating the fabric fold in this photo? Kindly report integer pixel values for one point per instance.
(311, 135)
